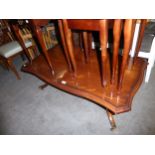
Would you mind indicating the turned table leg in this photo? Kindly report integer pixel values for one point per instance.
(43, 86)
(111, 119)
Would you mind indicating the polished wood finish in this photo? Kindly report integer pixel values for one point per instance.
(111, 120)
(117, 35)
(64, 45)
(5, 37)
(21, 41)
(5, 32)
(87, 83)
(104, 52)
(102, 26)
(86, 24)
(39, 22)
(36, 24)
(140, 37)
(86, 46)
(93, 80)
(8, 62)
(90, 40)
(69, 44)
(128, 36)
(13, 68)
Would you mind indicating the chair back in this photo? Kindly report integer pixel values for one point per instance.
(23, 34)
(5, 32)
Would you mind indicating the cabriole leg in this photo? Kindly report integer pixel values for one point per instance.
(43, 86)
(111, 119)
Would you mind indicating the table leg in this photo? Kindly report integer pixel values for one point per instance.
(111, 119)
(43, 86)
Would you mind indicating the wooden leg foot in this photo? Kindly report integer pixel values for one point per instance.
(12, 67)
(111, 120)
(43, 86)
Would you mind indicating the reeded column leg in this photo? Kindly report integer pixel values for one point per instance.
(69, 43)
(128, 37)
(64, 45)
(86, 46)
(116, 35)
(90, 42)
(104, 52)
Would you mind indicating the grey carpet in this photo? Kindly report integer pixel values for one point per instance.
(24, 109)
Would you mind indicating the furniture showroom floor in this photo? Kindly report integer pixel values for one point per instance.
(25, 109)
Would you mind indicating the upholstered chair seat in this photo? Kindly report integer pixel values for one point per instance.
(12, 48)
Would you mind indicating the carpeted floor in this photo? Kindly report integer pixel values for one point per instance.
(24, 109)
